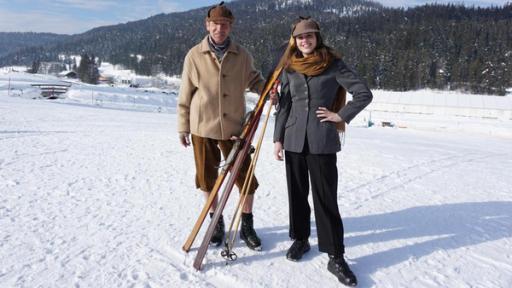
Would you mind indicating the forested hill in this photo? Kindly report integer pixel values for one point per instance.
(13, 41)
(436, 46)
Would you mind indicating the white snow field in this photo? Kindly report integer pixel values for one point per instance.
(95, 197)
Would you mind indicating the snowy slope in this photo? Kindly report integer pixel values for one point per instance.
(105, 198)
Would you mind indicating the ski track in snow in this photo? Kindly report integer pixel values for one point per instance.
(399, 178)
(105, 198)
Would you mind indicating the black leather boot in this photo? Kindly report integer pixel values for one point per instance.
(340, 269)
(247, 233)
(298, 248)
(218, 234)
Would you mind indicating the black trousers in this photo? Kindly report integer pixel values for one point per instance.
(324, 183)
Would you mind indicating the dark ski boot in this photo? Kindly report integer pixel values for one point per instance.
(340, 269)
(247, 233)
(218, 234)
(297, 250)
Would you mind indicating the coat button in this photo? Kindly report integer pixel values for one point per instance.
(224, 95)
(224, 115)
(224, 75)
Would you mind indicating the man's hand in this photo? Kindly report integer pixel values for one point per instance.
(185, 139)
(278, 151)
(326, 115)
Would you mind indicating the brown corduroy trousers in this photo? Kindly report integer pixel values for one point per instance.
(207, 159)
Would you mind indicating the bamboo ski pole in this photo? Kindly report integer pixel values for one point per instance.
(230, 241)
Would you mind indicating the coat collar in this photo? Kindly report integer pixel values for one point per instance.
(206, 48)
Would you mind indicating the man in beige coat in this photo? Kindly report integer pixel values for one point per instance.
(211, 107)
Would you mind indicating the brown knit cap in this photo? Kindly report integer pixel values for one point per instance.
(305, 25)
(220, 12)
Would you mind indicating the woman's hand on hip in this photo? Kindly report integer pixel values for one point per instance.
(278, 151)
(325, 115)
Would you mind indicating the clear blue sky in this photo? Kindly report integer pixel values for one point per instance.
(77, 16)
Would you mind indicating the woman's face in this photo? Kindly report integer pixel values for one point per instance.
(306, 43)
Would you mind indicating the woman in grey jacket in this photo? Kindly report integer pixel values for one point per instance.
(313, 84)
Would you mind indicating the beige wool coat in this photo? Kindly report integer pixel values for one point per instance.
(211, 103)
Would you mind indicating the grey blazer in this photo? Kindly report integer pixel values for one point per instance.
(300, 98)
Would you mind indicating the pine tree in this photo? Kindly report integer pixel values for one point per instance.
(83, 68)
(35, 67)
(93, 71)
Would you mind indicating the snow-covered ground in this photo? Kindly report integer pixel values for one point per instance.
(94, 197)
(19, 84)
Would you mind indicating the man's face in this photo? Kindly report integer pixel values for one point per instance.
(219, 30)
